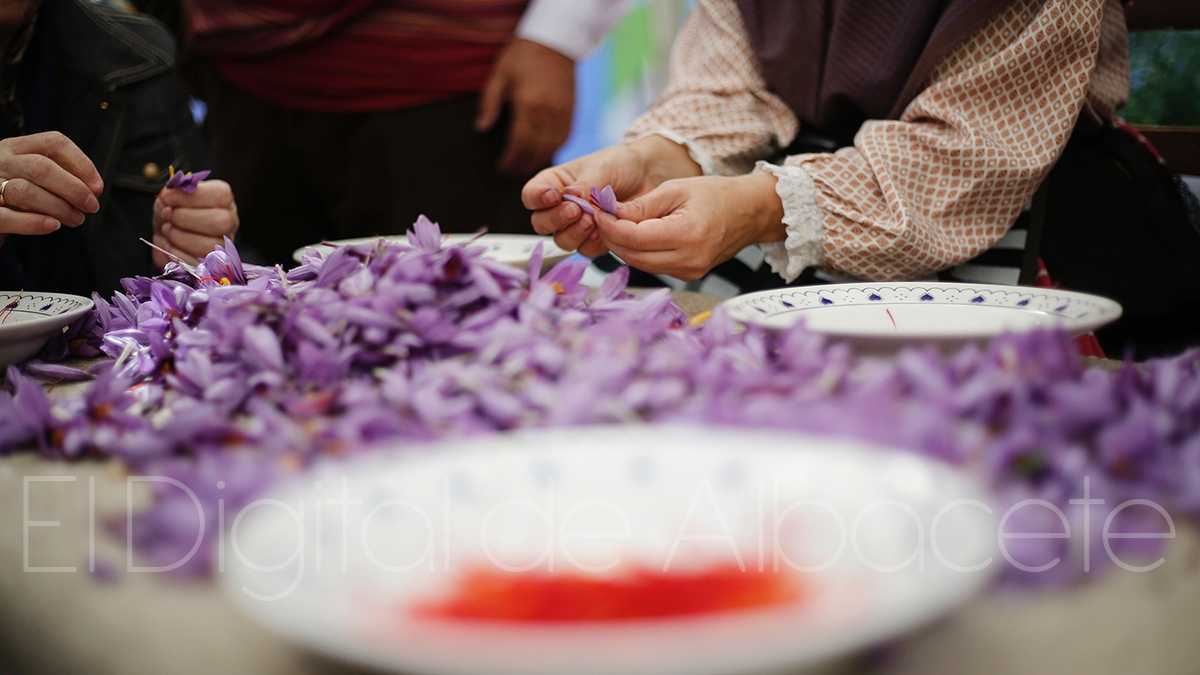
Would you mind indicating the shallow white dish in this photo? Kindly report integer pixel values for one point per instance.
(885, 313)
(513, 249)
(34, 318)
(625, 497)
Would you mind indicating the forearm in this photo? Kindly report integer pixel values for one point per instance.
(717, 101)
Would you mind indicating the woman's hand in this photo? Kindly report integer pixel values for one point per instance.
(632, 170)
(686, 227)
(190, 225)
(48, 182)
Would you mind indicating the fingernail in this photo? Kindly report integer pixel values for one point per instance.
(77, 218)
(51, 224)
(91, 204)
(570, 211)
(550, 197)
(586, 225)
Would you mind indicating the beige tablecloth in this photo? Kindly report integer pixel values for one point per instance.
(1115, 622)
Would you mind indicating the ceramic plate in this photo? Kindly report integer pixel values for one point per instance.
(348, 559)
(514, 249)
(26, 325)
(894, 312)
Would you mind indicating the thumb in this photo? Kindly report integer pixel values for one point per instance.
(658, 203)
(490, 102)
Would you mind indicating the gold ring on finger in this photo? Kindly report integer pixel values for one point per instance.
(3, 184)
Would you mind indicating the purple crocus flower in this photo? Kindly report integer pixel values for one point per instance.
(425, 235)
(222, 265)
(186, 180)
(605, 200)
(83, 338)
(602, 200)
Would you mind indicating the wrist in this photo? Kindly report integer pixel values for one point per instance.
(765, 207)
(663, 159)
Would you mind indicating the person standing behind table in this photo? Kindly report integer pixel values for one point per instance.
(93, 116)
(919, 131)
(336, 119)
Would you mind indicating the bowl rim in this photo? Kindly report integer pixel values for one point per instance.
(46, 322)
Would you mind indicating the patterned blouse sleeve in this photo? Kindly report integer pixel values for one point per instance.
(717, 103)
(923, 193)
(946, 181)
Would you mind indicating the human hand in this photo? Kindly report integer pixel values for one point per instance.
(686, 227)
(47, 182)
(191, 225)
(632, 170)
(539, 85)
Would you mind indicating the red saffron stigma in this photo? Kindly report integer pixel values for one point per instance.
(495, 595)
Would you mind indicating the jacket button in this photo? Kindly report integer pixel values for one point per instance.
(151, 171)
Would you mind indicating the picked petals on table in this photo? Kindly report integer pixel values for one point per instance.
(237, 374)
(55, 371)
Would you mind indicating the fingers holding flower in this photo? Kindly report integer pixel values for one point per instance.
(686, 227)
(632, 170)
(559, 196)
(190, 225)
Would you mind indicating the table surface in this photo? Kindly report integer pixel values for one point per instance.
(75, 622)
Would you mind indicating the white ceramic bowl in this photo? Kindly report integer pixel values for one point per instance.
(511, 249)
(336, 558)
(887, 315)
(27, 320)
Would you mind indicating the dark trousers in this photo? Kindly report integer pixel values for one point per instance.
(303, 177)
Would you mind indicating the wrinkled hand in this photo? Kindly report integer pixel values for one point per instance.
(190, 225)
(632, 170)
(686, 227)
(51, 182)
(539, 85)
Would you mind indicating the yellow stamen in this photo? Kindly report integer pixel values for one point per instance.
(701, 317)
(558, 288)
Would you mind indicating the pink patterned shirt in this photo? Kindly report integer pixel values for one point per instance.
(923, 193)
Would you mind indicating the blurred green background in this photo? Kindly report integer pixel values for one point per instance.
(1165, 78)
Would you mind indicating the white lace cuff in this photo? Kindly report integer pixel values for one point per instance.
(698, 154)
(805, 242)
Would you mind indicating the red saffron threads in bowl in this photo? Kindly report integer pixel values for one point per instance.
(495, 595)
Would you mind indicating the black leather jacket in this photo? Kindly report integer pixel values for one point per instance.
(121, 101)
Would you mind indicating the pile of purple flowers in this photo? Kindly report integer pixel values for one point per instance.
(227, 376)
